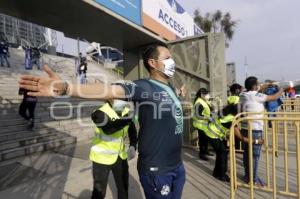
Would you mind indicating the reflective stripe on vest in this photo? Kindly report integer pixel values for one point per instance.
(107, 148)
(104, 151)
(107, 138)
(212, 134)
(217, 130)
(200, 123)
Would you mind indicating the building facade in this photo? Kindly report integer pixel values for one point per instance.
(18, 32)
(231, 74)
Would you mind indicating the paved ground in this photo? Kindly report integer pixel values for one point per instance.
(67, 174)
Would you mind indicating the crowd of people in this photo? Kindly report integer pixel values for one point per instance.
(32, 55)
(157, 107)
(213, 127)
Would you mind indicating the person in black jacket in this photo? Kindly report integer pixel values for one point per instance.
(35, 57)
(28, 104)
(82, 68)
(4, 53)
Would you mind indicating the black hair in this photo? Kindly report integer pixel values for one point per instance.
(151, 52)
(250, 82)
(200, 92)
(235, 89)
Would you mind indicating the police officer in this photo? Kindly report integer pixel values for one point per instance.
(113, 123)
(202, 114)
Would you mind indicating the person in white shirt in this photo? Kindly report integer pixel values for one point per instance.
(253, 101)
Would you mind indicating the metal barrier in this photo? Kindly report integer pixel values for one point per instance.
(282, 141)
(289, 105)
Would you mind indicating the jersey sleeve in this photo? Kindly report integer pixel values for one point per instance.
(136, 91)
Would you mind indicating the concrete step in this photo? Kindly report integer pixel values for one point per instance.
(13, 128)
(23, 134)
(34, 148)
(39, 122)
(29, 140)
(14, 132)
(9, 115)
(9, 130)
(11, 122)
(18, 124)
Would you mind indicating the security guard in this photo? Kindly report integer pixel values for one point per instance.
(217, 132)
(234, 98)
(235, 90)
(108, 153)
(202, 114)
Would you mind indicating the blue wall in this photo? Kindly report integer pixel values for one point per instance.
(129, 9)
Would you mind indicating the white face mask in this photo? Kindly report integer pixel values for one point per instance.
(169, 69)
(207, 97)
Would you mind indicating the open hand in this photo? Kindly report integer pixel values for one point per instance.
(48, 86)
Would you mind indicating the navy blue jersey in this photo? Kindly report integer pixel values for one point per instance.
(161, 124)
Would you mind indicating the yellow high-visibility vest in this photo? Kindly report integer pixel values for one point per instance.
(201, 123)
(233, 99)
(216, 130)
(107, 148)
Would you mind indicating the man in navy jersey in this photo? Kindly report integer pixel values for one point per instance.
(160, 115)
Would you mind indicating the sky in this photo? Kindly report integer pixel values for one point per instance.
(69, 46)
(268, 34)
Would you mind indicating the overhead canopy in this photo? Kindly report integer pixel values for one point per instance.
(83, 19)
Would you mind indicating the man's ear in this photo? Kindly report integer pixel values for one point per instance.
(151, 63)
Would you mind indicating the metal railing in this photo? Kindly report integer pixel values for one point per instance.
(289, 105)
(281, 141)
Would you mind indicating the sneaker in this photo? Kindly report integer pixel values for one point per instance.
(260, 183)
(209, 154)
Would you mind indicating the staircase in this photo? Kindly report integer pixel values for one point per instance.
(72, 118)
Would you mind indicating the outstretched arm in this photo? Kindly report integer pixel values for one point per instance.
(52, 85)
